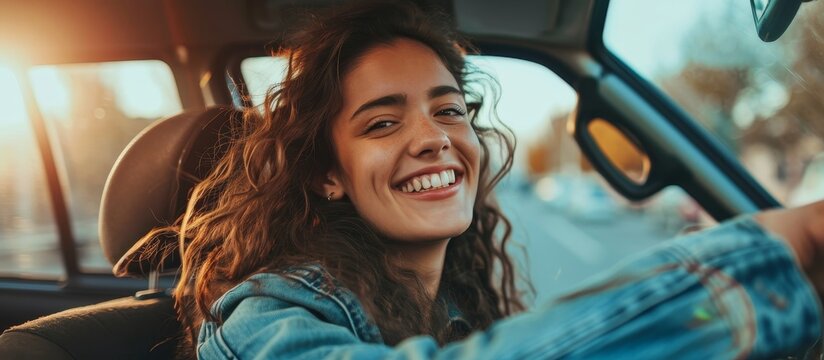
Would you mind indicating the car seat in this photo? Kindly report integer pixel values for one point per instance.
(147, 187)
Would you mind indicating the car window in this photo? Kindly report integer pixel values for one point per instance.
(761, 100)
(27, 227)
(259, 73)
(564, 216)
(91, 112)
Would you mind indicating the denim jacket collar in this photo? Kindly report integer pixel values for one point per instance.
(309, 286)
(326, 296)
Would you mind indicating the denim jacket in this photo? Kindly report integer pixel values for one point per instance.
(733, 291)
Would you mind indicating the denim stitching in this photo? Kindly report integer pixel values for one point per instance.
(335, 299)
(559, 346)
(324, 283)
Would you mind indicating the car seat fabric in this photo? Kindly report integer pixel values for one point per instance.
(116, 329)
(150, 183)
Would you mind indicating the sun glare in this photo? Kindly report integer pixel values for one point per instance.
(137, 93)
(145, 89)
(13, 120)
(51, 92)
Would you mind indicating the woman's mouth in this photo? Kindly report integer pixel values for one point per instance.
(429, 182)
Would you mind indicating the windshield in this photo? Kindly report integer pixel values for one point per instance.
(761, 100)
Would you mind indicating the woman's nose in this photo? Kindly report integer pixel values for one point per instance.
(428, 138)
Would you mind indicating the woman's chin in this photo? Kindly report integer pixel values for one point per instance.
(430, 232)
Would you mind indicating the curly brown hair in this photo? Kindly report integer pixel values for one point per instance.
(255, 212)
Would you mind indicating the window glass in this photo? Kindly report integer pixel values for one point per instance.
(260, 73)
(28, 235)
(564, 215)
(93, 111)
(568, 224)
(761, 100)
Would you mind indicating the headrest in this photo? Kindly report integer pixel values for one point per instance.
(150, 183)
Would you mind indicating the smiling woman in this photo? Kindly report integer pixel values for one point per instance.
(320, 186)
(353, 217)
(403, 119)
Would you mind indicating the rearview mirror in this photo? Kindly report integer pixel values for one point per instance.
(773, 17)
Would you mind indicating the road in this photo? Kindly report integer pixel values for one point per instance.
(561, 250)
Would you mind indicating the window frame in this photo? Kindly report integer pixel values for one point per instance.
(724, 160)
(232, 60)
(73, 277)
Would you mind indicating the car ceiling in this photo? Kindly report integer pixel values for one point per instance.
(38, 31)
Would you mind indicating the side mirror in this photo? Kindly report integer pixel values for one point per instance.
(612, 145)
(621, 151)
(773, 17)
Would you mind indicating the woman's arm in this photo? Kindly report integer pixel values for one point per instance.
(733, 291)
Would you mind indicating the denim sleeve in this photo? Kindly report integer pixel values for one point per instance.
(730, 292)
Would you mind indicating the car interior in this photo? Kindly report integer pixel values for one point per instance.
(143, 325)
(82, 314)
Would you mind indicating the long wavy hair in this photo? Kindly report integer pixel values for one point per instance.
(255, 211)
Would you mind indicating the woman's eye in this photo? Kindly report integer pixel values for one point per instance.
(456, 111)
(380, 125)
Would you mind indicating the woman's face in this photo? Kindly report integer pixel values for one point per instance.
(408, 157)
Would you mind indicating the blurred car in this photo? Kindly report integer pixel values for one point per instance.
(581, 197)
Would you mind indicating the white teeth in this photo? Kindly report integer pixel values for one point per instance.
(444, 178)
(430, 181)
(435, 180)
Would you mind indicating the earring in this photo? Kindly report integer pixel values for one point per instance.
(329, 197)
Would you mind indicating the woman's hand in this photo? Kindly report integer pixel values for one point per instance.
(803, 229)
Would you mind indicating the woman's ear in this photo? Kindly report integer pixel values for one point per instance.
(329, 186)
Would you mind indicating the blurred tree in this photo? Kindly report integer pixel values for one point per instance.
(802, 118)
(806, 80)
(752, 94)
(708, 93)
(555, 150)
